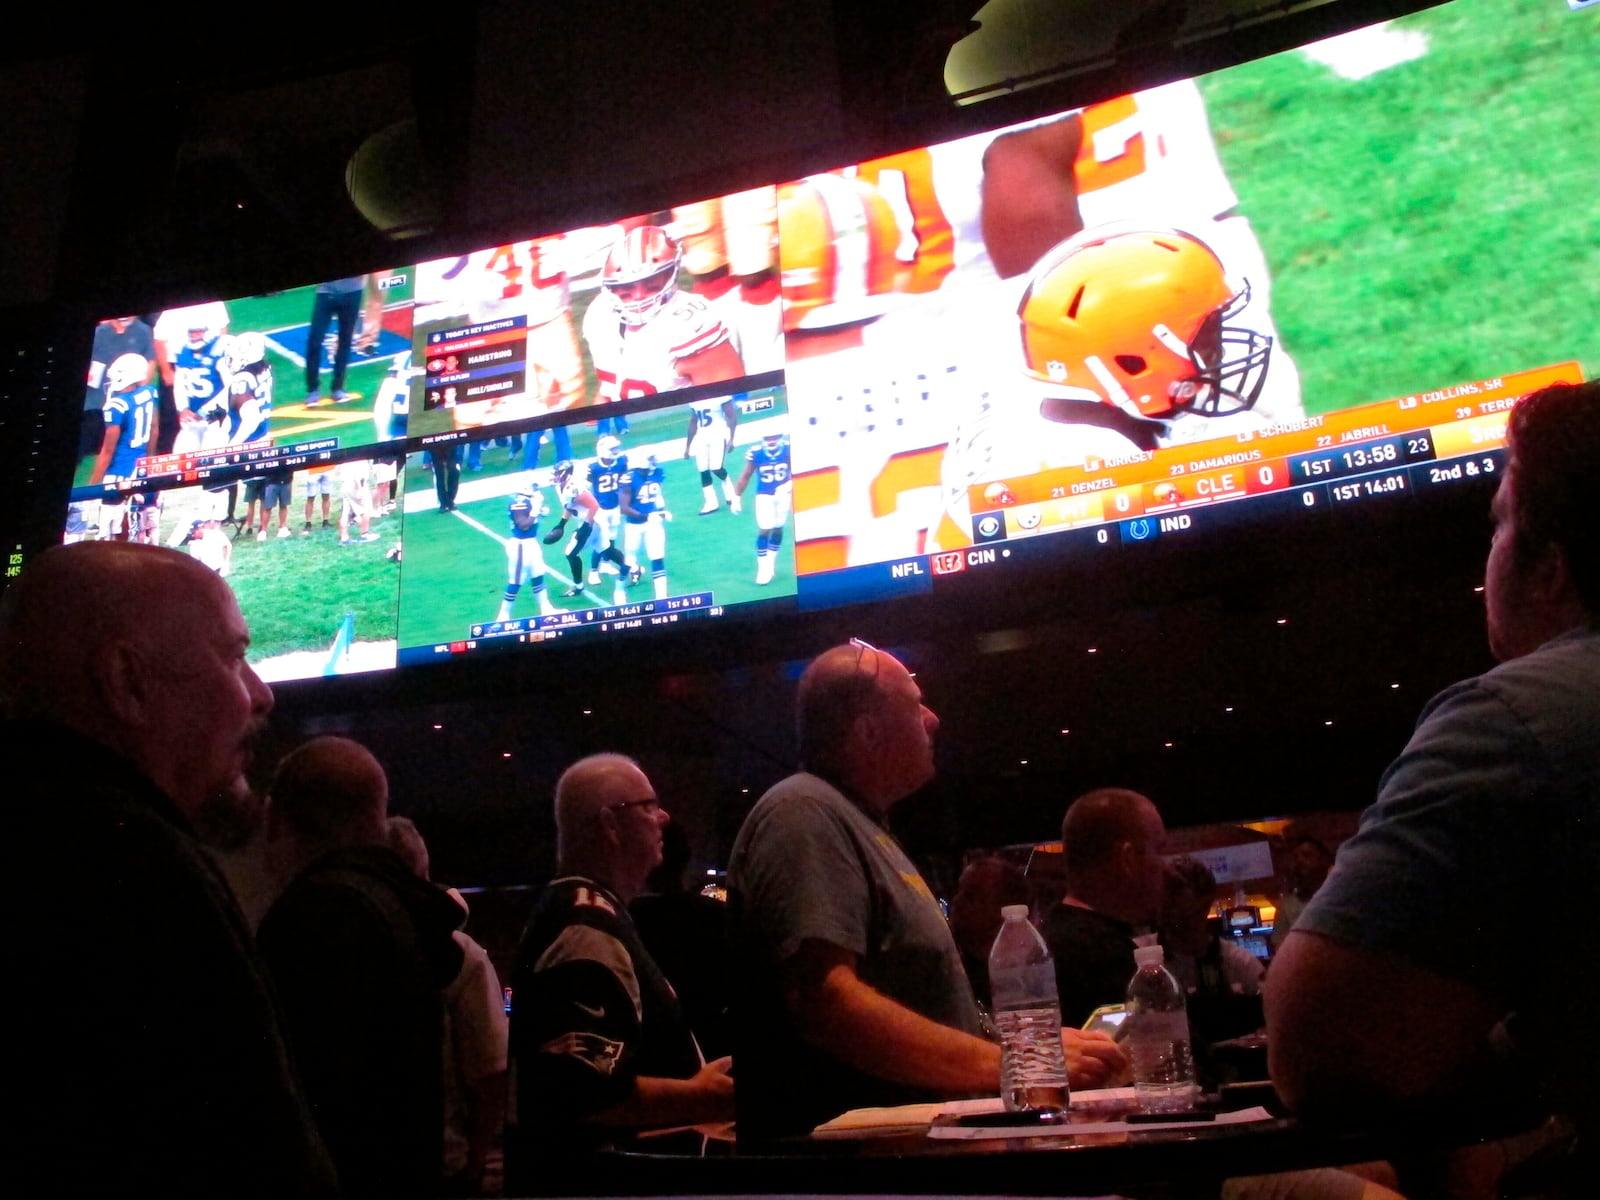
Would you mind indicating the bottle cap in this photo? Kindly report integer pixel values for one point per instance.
(1149, 956)
(1015, 910)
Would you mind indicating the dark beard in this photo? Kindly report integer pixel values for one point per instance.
(228, 819)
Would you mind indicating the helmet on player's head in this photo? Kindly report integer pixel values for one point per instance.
(607, 449)
(641, 272)
(244, 351)
(126, 371)
(771, 441)
(199, 335)
(563, 471)
(1139, 316)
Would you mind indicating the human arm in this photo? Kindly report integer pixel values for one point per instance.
(108, 447)
(1350, 1027)
(372, 314)
(1030, 193)
(836, 1011)
(694, 425)
(713, 364)
(744, 478)
(730, 415)
(703, 1098)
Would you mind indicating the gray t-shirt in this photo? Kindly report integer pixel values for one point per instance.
(811, 864)
(1480, 860)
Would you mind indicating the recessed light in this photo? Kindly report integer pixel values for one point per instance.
(1283, 620)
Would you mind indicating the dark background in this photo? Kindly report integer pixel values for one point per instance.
(173, 153)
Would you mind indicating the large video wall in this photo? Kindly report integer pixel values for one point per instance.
(1310, 282)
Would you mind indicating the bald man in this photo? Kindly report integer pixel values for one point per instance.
(1111, 839)
(153, 1061)
(852, 991)
(599, 1041)
(362, 952)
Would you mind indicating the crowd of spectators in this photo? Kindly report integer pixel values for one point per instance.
(330, 1029)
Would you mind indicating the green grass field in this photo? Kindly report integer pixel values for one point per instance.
(295, 591)
(1490, 136)
(455, 572)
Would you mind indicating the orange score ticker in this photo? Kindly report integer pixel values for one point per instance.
(1461, 420)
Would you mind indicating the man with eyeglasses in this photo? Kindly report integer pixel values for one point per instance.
(851, 990)
(599, 1043)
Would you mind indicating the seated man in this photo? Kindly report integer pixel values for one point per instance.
(1111, 840)
(852, 993)
(361, 952)
(1415, 973)
(597, 1037)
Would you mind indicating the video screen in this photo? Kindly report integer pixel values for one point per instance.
(622, 312)
(1302, 285)
(207, 387)
(626, 522)
(1322, 276)
(311, 551)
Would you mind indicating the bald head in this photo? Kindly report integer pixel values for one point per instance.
(861, 721)
(609, 822)
(141, 649)
(328, 794)
(1111, 842)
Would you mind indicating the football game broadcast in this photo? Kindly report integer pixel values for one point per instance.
(643, 521)
(1263, 279)
(1314, 281)
(621, 312)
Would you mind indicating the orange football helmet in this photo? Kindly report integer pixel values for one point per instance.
(641, 272)
(1139, 317)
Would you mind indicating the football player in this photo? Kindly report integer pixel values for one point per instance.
(768, 464)
(710, 437)
(605, 485)
(577, 503)
(199, 382)
(1133, 340)
(249, 377)
(644, 511)
(132, 415)
(524, 559)
(644, 335)
(392, 408)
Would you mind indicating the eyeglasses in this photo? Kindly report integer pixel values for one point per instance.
(861, 648)
(650, 804)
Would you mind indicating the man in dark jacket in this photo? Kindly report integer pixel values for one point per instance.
(361, 952)
(151, 1059)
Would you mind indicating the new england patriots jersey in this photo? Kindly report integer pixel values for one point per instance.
(250, 404)
(197, 376)
(645, 485)
(605, 480)
(771, 466)
(132, 412)
(633, 361)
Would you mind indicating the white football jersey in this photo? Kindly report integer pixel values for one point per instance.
(634, 361)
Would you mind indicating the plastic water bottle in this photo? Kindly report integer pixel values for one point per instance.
(1158, 1037)
(1027, 1015)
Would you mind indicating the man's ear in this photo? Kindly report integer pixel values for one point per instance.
(119, 675)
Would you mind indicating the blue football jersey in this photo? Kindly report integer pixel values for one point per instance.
(645, 484)
(525, 505)
(604, 481)
(771, 466)
(133, 412)
(197, 378)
